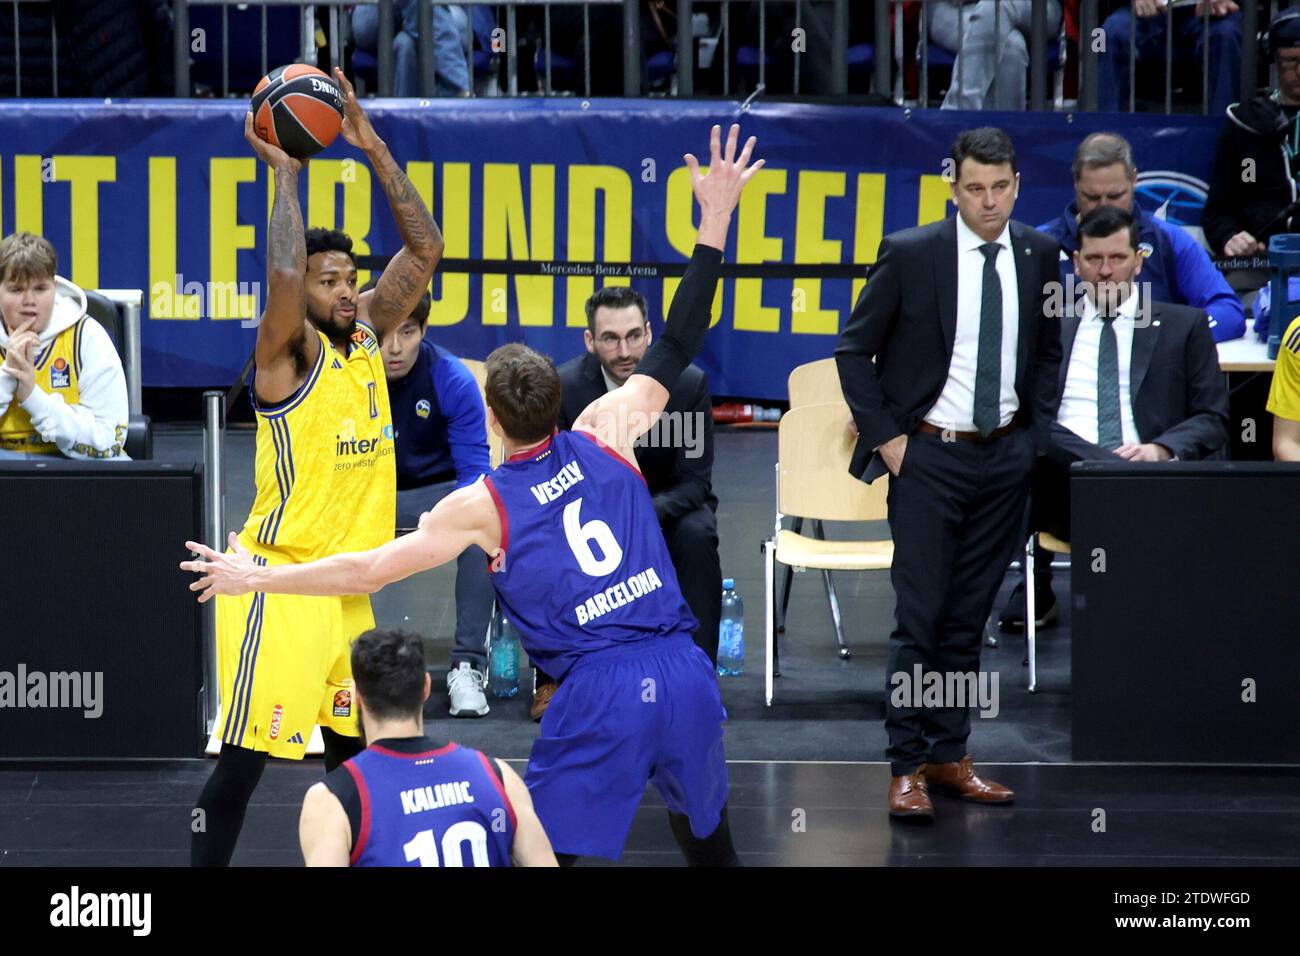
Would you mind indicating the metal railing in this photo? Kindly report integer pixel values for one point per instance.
(894, 50)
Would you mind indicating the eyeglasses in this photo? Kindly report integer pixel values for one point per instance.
(610, 341)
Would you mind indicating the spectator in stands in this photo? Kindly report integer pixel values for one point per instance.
(1140, 380)
(62, 389)
(1258, 157)
(1174, 265)
(991, 41)
(1189, 36)
(451, 43)
(676, 456)
(440, 433)
(1284, 397)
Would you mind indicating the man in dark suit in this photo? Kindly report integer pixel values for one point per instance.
(949, 365)
(676, 456)
(1139, 380)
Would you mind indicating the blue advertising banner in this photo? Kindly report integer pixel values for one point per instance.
(165, 196)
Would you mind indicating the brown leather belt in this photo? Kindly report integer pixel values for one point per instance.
(948, 434)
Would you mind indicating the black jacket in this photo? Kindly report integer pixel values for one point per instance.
(1180, 399)
(1253, 137)
(906, 320)
(678, 482)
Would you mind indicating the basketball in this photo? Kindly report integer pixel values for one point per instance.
(297, 108)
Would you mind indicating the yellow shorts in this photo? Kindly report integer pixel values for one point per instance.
(286, 665)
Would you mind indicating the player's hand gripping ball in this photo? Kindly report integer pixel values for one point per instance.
(298, 108)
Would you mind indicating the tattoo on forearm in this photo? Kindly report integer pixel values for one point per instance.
(287, 241)
(419, 232)
(409, 272)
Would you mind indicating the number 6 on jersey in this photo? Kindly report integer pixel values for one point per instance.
(580, 535)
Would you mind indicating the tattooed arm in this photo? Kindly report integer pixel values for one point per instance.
(407, 277)
(284, 350)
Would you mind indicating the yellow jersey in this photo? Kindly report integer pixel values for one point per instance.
(326, 465)
(1284, 394)
(58, 367)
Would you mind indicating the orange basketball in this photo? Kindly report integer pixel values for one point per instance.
(297, 108)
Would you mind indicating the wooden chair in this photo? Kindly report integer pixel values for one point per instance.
(1055, 546)
(814, 383)
(813, 481)
(496, 448)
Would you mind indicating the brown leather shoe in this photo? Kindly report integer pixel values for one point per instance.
(961, 779)
(541, 697)
(909, 797)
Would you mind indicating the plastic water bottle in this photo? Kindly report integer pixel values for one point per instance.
(731, 633)
(503, 659)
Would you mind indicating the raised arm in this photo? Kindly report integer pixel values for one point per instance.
(407, 276)
(465, 517)
(284, 350)
(619, 417)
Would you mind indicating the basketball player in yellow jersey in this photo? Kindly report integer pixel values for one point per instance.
(326, 480)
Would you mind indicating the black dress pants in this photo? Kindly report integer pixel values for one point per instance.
(956, 511)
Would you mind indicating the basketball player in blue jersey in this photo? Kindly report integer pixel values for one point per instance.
(407, 800)
(580, 565)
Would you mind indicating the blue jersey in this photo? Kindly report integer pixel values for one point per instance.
(585, 566)
(423, 807)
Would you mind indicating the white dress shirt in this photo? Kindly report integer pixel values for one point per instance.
(1078, 411)
(955, 407)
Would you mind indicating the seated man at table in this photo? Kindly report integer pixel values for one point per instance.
(1284, 396)
(1140, 381)
(1262, 136)
(675, 456)
(1174, 265)
(62, 389)
(440, 433)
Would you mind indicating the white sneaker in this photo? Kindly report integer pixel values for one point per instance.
(465, 685)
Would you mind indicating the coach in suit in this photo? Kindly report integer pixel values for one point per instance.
(1139, 380)
(676, 456)
(949, 365)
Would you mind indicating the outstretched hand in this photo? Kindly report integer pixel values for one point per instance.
(356, 127)
(719, 190)
(222, 573)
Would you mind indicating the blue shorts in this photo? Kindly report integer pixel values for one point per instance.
(648, 711)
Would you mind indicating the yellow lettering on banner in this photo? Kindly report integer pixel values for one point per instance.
(754, 245)
(584, 183)
(681, 232)
(869, 225)
(323, 179)
(164, 298)
(453, 305)
(811, 245)
(932, 202)
(29, 208)
(85, 173)
(227, 237)
(506, 231)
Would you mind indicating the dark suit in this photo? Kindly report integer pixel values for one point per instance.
(680, 481)
(956, 509)
(1179, 401)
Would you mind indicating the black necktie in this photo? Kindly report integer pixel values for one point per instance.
(1110, 430)
(988, 364)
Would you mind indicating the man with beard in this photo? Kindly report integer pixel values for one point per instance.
(325, 480)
